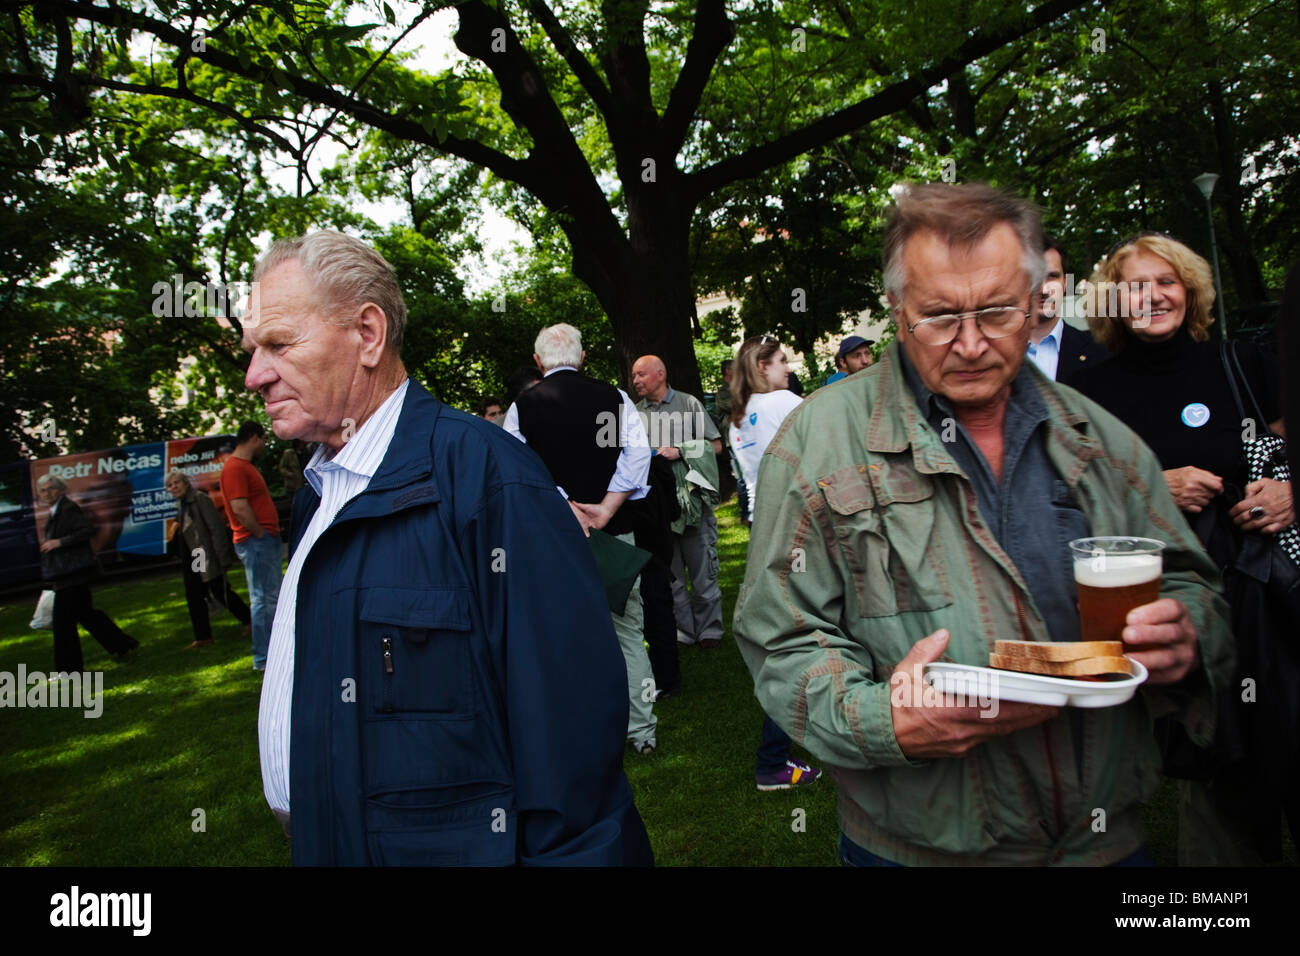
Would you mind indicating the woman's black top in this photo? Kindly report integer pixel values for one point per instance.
(1175, 395)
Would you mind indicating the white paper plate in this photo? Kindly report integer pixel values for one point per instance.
(989, 682)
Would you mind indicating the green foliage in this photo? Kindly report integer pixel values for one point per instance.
(138, 150)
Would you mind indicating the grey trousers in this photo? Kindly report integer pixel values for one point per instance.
(630, 628)
(698, 612)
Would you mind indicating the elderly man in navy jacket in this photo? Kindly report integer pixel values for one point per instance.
(443, 685)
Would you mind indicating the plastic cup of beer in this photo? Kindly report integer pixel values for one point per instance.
(1113, 576)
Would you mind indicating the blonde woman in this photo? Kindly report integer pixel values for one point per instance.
(203, 543)
(760, 401)
(1151, 305)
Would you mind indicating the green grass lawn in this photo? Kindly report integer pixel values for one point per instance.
(178, 733)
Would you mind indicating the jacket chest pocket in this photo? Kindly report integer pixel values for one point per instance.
(883, 516)
(416, 659)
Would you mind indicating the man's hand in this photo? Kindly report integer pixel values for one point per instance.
(597, 516)
(584, 522)
(1274, 498)
(53, 544)
(945, 730)
(1161, 636)
(244, 512)
(670, 453)
(1193, 488)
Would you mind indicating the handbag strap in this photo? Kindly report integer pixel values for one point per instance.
(1261, 426)
(1225, 346)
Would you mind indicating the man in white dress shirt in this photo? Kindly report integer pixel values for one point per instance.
(568, 419)
(1059, 350)
(442, 685)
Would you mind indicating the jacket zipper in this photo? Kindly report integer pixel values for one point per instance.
(388, 673)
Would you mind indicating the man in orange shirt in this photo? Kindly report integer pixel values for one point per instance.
(251, 513)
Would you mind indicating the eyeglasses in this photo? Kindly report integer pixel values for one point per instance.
(766, 339)
(995, 323)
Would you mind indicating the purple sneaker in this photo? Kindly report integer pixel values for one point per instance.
(795, 773)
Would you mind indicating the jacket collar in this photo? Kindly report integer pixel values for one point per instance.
(404, 478)
(897, 423)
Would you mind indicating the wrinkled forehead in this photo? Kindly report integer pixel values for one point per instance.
(941, 271)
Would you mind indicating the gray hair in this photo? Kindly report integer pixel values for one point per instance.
(51, 479)
(348, 274)
(558, 345)
(963, 215)
(177, 473)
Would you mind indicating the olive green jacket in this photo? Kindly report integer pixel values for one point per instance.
(867, 538)
(204, 530)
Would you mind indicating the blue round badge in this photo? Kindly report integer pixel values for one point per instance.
(1195, 415)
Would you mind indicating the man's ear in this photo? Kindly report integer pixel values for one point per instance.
(374, 334)
(582, 358)
(537, 360)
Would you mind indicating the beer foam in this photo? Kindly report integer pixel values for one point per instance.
(1116, 570)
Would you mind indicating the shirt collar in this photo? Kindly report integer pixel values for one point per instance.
(559, 368)
(668, 397)
(1058, 330)
(1024, 393)
(357, 454)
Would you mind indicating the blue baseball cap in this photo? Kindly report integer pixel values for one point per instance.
(851, 343)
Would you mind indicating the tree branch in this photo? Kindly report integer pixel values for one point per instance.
(472, 151)
(713, 34)
(577, 60)
(890, 99)
(625, 61)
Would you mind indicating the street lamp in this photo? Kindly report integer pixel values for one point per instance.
(1205, 183)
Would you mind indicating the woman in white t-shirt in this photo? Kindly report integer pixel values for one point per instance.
(760, 401)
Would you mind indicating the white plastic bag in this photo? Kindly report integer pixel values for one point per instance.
(44, 617)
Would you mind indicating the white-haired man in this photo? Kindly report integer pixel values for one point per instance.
(441, 669)
(569, 418)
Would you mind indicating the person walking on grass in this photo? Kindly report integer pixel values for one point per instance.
(68, 565)
(202, 541)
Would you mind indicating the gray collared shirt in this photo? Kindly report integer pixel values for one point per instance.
(1032, 512)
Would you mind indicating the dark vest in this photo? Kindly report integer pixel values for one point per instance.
(564, 418)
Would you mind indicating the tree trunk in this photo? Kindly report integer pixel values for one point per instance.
(644, 281)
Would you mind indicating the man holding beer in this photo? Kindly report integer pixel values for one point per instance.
(937, 494)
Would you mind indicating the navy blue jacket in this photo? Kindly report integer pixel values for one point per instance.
(460, 598)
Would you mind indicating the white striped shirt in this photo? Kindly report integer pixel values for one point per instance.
(337, 478)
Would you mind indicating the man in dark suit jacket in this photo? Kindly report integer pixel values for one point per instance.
(68, 565)
(1056, 348)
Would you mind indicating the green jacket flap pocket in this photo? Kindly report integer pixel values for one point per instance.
(847, 490)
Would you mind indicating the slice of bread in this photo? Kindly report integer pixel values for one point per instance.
(1062, 651)
(1088, 667)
